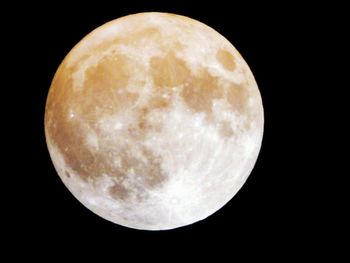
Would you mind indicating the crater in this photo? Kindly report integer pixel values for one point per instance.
(117, 191)
(226, 59)
(225, 129)
(67, 174)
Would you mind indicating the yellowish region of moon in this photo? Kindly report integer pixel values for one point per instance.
(154, 121)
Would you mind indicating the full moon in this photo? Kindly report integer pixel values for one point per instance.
(154, 121)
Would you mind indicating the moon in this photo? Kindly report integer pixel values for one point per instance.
(154, 121)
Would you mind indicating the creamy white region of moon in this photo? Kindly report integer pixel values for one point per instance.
(154, 121)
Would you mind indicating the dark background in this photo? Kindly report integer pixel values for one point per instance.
(272, 215)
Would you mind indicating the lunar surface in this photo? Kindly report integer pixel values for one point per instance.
(154, 121)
